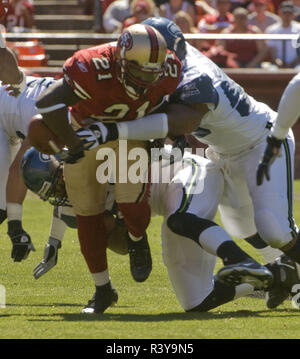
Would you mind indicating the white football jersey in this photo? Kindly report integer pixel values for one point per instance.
(235, 121)
(16, 112)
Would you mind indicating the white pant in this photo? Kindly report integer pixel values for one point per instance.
(190, 268)
(267, 209)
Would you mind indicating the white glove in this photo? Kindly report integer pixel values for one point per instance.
(50, 258)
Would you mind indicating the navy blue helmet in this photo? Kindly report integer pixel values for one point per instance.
(43, 175)
(171, 33)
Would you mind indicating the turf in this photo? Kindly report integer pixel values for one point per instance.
(49, 307)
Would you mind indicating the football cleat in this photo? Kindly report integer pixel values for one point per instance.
(140, 258)
(247, 271)
(104, 297)
(285, 276)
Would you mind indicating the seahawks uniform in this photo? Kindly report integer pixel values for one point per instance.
(15, 114)
(235, 129)
(189, 266)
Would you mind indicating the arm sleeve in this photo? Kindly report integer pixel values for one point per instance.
(58, 227)
(288, 110)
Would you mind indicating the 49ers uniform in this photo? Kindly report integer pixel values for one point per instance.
(93, 75)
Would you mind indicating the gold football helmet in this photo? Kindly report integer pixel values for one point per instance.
(141, 57)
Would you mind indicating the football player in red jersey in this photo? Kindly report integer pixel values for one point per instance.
(110, 82)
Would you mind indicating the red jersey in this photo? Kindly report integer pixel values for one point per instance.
(92, 74)
(14, 15)
(245, 50)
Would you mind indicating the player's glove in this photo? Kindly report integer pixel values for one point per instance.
(50, 258)
(271, 152)
(21, 241)
(97, 134)
(72, 156)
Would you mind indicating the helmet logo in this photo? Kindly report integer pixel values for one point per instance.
(44, 158)
(126, 41)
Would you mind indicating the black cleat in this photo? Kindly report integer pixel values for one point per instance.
(285, 276)
(104, 297)
(247, 271)
(140, 258)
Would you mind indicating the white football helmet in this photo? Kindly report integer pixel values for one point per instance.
(141, 57)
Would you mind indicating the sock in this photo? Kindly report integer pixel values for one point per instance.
(294, 251)
(14, 211)
(269, 253)
(212, 238)
(230, 253)
(134, 238)
(93, 241)
(101, 278)
(221, 294)
(242, 290)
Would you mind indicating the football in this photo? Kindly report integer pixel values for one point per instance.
(42, 138)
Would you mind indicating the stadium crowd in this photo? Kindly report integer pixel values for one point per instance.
(194, 17)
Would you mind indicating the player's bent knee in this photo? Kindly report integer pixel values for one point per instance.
(270, 229)
(188, 225)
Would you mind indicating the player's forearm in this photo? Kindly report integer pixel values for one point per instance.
(177, 121)
(58, 227)
(15, 188)
(288, 110)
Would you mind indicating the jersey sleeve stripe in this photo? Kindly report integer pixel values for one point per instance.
(81, 92)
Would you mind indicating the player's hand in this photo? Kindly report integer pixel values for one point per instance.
(72, 156)
(271, 152)
(50, 258)
(22, 246)
(97, 134)
(16, 89)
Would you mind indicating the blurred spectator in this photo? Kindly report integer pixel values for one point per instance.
(170, 8)
(215, 23)
(19, 16)
(261, 17)
(238, 3)
(283, 53)
(203, 8)
(115, 15)
(141, 10)
(185, 23)
(249, 53)
(276, 5)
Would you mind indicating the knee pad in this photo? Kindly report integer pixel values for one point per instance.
(270, 229)
(3, 215)
(188, 225)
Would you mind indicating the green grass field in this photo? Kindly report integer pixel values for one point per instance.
(49, 307)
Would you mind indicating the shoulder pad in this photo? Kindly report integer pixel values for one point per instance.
(198, 90)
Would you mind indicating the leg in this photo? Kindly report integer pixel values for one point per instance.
(88, 199)
(132, 191)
